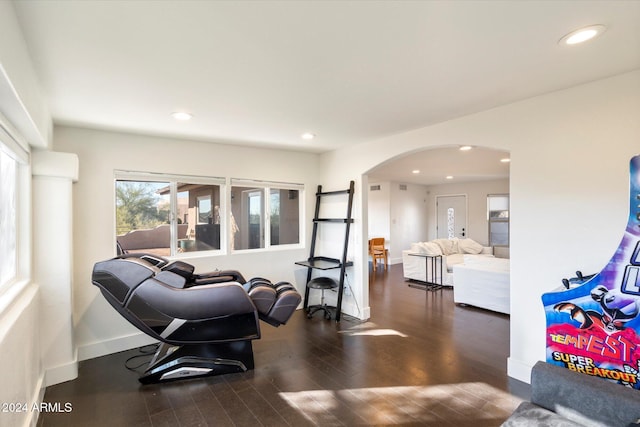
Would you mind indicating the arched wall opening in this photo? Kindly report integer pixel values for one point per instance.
(402, 194)
(568, 190)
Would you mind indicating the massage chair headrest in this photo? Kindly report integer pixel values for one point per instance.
(119, 276)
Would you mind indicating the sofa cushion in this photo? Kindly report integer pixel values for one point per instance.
(530, 415)
(427, 248)
(431, 248)
(447, 246)
(469, 246)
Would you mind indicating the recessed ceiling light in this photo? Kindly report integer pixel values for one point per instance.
(307, 136)
(449, 177)
(416, 171)
(505, 160)
(582, 35)
(181, 115)
(465, 148)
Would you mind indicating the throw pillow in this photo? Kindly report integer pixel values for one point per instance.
(430, 248)
(447, 246)
(469, 246)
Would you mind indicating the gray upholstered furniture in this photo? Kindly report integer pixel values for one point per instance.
(560, 397)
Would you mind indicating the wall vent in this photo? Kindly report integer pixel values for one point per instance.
(375, 188)
(403, 187)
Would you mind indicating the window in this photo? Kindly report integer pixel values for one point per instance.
(166, 215)
(498, 217)
(8, 224)
(264, 215)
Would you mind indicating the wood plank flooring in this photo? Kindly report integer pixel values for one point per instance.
(419, 360)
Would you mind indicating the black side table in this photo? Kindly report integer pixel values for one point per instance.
(433, 265)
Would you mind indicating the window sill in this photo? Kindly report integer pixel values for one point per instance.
(11, 292)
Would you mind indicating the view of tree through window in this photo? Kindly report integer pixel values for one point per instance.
(138, 206)
(142, 217)
(146, 220)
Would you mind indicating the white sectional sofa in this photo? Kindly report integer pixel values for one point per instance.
(484, 283)
(416, 261)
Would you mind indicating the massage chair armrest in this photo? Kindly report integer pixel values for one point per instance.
(218, 276)
(187, 271)
(197, 302)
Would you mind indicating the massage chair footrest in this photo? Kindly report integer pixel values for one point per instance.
(275, 303)
(197, 360)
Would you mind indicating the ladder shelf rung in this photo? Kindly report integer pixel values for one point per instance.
(342, 220)
(330, 193)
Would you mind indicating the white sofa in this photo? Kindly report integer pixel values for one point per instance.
(416, 262)
(483, 282)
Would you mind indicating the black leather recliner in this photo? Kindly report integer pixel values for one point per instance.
(205, 322)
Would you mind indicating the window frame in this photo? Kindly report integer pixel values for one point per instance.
(266, 187)
(225, 209)
(173, 180)
(12, 147)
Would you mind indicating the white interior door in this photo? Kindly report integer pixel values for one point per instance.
(451, 216)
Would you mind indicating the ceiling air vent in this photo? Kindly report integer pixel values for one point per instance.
(375, 188)
(403, 187)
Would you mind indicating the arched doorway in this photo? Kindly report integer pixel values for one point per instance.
(402, 193)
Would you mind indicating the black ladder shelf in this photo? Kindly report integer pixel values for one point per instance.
(326, 263)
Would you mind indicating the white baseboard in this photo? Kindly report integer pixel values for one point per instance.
(519, 370)
(38, 397)
(62, 373)
(351, 309)
(115, 345)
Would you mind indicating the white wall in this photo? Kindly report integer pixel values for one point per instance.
(409, 218)
(99, 328)
(379, 210)
(476, 192)
(570, 152)
(22, 376)
(400, 216)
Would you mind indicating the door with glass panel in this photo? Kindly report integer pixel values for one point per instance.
(451, 216)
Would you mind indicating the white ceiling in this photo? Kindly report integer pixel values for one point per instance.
(434, 165)
(260, 73)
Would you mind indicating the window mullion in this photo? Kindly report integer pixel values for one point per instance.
(173, 216)
(267, 217)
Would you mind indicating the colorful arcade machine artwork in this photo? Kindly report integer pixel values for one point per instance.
(594, 326)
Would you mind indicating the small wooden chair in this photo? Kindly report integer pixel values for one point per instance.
(377, 252)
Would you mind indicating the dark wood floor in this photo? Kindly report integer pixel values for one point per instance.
(419, 360)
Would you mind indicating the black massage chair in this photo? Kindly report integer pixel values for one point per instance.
(205, 322)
